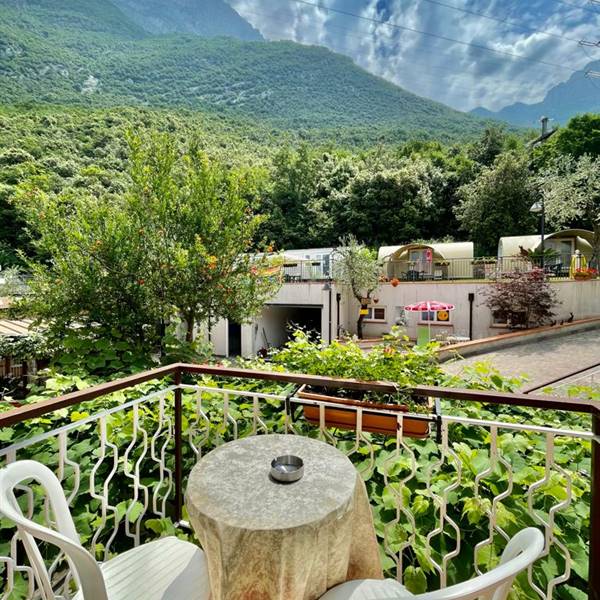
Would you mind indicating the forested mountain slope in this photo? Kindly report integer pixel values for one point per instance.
(207, 18)
(578, 95)
(87, 53)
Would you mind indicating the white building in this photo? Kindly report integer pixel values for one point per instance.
(308, 298)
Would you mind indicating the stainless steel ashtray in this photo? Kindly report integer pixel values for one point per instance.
(287, 468)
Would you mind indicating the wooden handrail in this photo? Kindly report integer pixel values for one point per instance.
(31, 411)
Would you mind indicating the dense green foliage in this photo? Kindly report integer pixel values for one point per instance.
(498, 201)
(311, 194)
(175, 247)
(383, 468)
(65, 52)
(571, 190)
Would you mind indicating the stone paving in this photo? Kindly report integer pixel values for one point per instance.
(541, 360)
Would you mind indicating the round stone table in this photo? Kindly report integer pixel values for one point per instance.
(272, 541)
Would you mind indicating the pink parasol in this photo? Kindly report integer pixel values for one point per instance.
(428, 306)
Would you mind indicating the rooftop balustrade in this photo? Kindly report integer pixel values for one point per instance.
(451, 473)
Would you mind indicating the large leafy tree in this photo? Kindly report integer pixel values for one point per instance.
(571, 190)
(176, 246)
(497, 202)
(580, 136)
(355, 266)
(386, 205)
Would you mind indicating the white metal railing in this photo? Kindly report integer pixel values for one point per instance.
(445, 504)
(307, 270)
(471, 268)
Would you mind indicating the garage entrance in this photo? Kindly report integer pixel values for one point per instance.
(280, 320)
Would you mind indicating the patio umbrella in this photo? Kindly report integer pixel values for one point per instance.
(429, 306)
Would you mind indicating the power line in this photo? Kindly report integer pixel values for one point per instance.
(578, 6)
(504, 21)
(433, 77)
(435, 35)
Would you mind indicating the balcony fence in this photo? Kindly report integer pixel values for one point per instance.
(444, 502)
(472, 268)
(481, 268)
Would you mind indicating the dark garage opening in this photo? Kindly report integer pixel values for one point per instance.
(279, 321)
(234, 339)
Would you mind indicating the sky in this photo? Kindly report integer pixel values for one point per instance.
(455, 73)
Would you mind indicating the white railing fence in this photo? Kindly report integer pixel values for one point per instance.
(443, 504)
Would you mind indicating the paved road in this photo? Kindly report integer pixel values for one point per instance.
(542, 360)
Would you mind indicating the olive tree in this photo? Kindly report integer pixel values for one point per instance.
(356, 266)
(571, 191)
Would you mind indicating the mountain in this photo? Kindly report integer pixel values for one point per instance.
(577, 95)
(207, 18)
(89, 53)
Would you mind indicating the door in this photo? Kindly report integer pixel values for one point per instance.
(234, 339)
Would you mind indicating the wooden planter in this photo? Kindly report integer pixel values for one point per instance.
(345, 418)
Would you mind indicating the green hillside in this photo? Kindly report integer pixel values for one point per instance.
(206, 18)
(87, 53)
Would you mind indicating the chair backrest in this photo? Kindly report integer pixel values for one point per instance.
(520, 552)
(83, 565)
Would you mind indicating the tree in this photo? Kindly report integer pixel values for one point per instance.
(387, 205)
(571, 191)
(521, 299)
(295, 176)
(177, 245)
(497, 202)
(489, 146)
(580, 136)
(356, 266)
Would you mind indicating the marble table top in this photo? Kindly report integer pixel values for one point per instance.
(231, 485)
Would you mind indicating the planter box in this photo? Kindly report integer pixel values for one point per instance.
(345, 418)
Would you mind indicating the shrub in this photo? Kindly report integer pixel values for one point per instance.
(523, 299)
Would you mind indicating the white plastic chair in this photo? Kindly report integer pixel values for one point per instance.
(168, 568)
(521, 551)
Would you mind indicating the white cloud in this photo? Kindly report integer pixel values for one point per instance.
(450, 72)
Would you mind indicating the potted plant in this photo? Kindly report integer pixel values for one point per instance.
(345, 416)
(585, 274)
(394, 281)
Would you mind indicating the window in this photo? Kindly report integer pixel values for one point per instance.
(375, 313)
(437, 316)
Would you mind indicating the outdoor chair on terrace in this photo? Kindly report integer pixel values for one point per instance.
(522, 550)
(166, 569)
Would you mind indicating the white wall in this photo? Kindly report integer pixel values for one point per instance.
(580, 297)
(269, 323)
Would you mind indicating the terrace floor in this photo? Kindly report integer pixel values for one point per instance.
(541, 360)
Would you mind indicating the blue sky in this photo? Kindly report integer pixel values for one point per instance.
(456, 74)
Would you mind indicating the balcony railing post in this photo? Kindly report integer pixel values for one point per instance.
(178, 448)
(594, 567)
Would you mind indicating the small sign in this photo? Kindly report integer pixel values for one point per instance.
(364, 311)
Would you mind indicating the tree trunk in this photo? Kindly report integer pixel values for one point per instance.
(190, 322)
(359, 327)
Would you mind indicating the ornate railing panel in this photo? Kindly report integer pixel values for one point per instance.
(443, 505)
